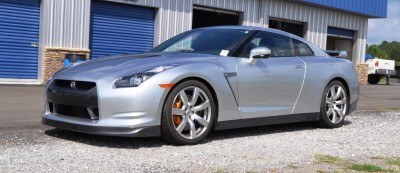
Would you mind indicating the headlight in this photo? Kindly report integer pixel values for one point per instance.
(137, 79)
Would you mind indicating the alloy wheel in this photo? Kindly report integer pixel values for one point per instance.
(336, 103)
(191, 112)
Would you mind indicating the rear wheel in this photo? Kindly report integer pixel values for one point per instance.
(334, 105)
(188, 114)
(372, 79)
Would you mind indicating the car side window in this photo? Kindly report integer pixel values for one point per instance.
(280, 45)
(301, 48)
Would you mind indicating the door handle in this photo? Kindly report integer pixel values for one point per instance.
(300, 66)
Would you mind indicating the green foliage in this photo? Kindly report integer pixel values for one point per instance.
(395, 161)
(344, 166)
(328, 159)
(385, 50)
(219, 171)
(375, 51)
(367, 168)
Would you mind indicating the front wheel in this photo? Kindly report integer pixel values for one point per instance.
(334, 105)
(188, 114)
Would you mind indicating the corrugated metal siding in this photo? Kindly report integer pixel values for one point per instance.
(318, 20)
(374, 8)
(250, 8)
(118, 28)
(257, 13)
(175, 16)
(66, 23)
(57, 13)
(19, 28)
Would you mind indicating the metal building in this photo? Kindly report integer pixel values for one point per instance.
(35, 35)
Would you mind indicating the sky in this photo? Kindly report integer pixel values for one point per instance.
(385, 29)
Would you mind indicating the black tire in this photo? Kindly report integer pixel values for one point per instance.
(168, 129)
(372, 79)
(324, 120)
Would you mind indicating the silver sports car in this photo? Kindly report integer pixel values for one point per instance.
(202, 80)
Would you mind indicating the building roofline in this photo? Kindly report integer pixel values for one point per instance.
(368, 8)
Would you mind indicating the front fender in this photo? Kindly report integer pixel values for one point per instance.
(209, 72)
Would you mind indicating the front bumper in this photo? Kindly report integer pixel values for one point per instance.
(57, 121)
(105, 110)
(353, 106)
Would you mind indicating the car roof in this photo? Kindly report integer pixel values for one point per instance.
(250, 28)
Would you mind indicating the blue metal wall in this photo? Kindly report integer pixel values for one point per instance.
(19, 28)
(372, 8)
(120, 28)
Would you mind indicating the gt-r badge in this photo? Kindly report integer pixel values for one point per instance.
(73, 85)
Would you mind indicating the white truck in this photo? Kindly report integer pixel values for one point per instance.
(378, 68)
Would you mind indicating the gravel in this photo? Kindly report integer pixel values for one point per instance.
(261, 149)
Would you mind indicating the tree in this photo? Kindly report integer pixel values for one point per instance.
(392, 49)
(376, 51)
(385, 50)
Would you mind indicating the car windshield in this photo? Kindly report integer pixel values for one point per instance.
(207, 41)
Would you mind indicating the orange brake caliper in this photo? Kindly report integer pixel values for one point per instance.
(177, 118)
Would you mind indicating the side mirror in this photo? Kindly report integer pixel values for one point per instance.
(343, 54)
(258, 53)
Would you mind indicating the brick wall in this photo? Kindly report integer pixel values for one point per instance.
(53, 59)
(362, 70)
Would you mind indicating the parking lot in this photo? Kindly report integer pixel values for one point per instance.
(370, 135)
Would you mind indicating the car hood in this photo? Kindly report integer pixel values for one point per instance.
(120, 65)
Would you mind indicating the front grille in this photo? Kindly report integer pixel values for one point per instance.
(80, 85)
(51, 107)
(73, 98)
(74, 111)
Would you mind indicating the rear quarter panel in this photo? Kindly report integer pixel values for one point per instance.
(319, 72)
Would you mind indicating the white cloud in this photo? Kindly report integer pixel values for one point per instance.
(386, 29)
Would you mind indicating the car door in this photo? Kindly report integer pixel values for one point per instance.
(271, 86)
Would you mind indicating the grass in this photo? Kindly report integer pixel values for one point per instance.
(383, 81)
(367, 168)
(360, 167)
(378, 158)
(389, 109)
(329, 159)
(219, 171)
(293, 166)
(395, 161)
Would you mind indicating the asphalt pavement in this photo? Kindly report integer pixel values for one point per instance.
(379, 97)
(20, 106)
